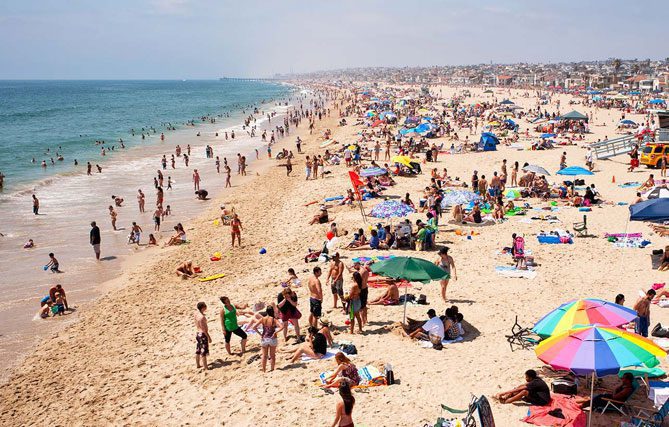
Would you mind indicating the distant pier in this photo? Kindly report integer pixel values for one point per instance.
(248, 79)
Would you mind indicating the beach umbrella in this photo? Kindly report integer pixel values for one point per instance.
(373, 172)
(574, 115)
(404, 160)
(650, 210)
(488, 91)
(391, 209)
(512, 194)
(627, 122)
(656, 101)
(536, 169)
(658, 193)
(458, 197)
(574, 171)
(507, 102)
(585, 311)
(598, 351)
(411, 269)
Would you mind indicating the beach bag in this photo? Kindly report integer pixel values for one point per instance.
(349, 349)
(422, 299)
(565, 385)
(390, 376)
(659, 331)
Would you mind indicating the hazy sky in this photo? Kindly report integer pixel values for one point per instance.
(167, 39)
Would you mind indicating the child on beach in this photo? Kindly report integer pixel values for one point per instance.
(53, 264)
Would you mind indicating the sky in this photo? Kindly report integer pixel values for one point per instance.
(201, 39)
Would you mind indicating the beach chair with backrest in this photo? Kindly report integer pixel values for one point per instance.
(522, 337)
(620, 406)
(644, 418)
(581, 228)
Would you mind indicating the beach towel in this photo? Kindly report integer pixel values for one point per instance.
(623, 235)
(428, 344)
(363, 259)
(507, 271)
(370, 376)
(629, 184)
(573, 414)
(331, 352)
(386, 283)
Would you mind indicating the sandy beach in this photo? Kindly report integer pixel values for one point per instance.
(129, 357)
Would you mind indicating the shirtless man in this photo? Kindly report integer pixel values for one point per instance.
(140, 200)
(642, 308)
(202, 337)
(315, 297)
(495, 186)
(336, 278)
(35, 205)
(196, 180)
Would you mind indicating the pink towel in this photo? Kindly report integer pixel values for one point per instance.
(573, 414)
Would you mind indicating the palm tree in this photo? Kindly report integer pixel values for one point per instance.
(616, 63)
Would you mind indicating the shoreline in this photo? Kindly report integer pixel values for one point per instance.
(21, 333)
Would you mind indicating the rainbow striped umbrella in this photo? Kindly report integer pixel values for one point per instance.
(596, 349)
(588, 311)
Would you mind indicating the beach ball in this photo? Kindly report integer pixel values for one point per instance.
(329, 235)
(263, 251)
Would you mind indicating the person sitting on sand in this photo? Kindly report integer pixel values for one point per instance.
(344, 408)
(664, 262)
(314, 348)
(475, 215)
(321, 217)
(458, 214)
(359, 239)
(433, 327)
(324, 325)
(152, 240)
(638, 199)
(186, 270)
(451, 329)
(178, 238)
(620, 394)
(345, 372)
(649, 184)
(391, 296)
(534, 391)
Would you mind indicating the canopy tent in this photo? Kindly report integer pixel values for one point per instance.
(574, 171)
(488, 142)
(507, 102)
(574, 115)
(655, 210)
(658, 193)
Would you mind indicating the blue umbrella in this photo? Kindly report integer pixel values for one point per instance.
(548, 135)
(656, 101)
(510, 122)
(574, 171)
(391, 208)
(650, 210)
(373, 172)
(627, 122)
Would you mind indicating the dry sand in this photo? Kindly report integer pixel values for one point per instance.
(130, 358)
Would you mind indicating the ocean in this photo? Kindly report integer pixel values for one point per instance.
(42, 120)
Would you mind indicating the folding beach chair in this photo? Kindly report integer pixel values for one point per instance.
(524, 338)
(621, 406)
(644, 418)
(581, 228)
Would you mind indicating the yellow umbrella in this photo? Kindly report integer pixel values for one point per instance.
(423, 111)
(493, 124)
(405, 160)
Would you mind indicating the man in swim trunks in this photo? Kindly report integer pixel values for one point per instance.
(95, 239)
(315, 297)
(336, 278)
(202, 337)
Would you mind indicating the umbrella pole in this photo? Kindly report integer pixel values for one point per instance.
(404, 316)
(592, 392)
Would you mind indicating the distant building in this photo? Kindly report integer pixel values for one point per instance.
(504, 80)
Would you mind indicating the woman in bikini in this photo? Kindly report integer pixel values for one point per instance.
(268, 340)
(445, 262)
(236, 230)
(344, 407)
(346, 372)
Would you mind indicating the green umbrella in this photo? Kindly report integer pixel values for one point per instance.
(411, 269)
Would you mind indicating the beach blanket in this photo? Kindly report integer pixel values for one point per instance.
(428, 344)
(573, 414)
(507, 271)
(363, 259)
(623, 235)
(370, 376)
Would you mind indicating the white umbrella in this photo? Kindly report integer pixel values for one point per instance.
(536, 169)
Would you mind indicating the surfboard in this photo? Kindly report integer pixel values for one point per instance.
(326, 143)
(214, 277)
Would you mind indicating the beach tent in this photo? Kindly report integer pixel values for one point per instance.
(658, 193)
(507, 102)
(655, 210)
(574, 171)
(488, 142)
(574, 115)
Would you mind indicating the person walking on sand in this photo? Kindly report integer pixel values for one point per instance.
(35, 205)
(344, 406)
(202, 337)
(113, 215)
(446, 263)
(236, 230)
(315, 297)
(95, 239)
(196, 180)
(228, 316)
(336, 279)
(228, 172)
(140, 200)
